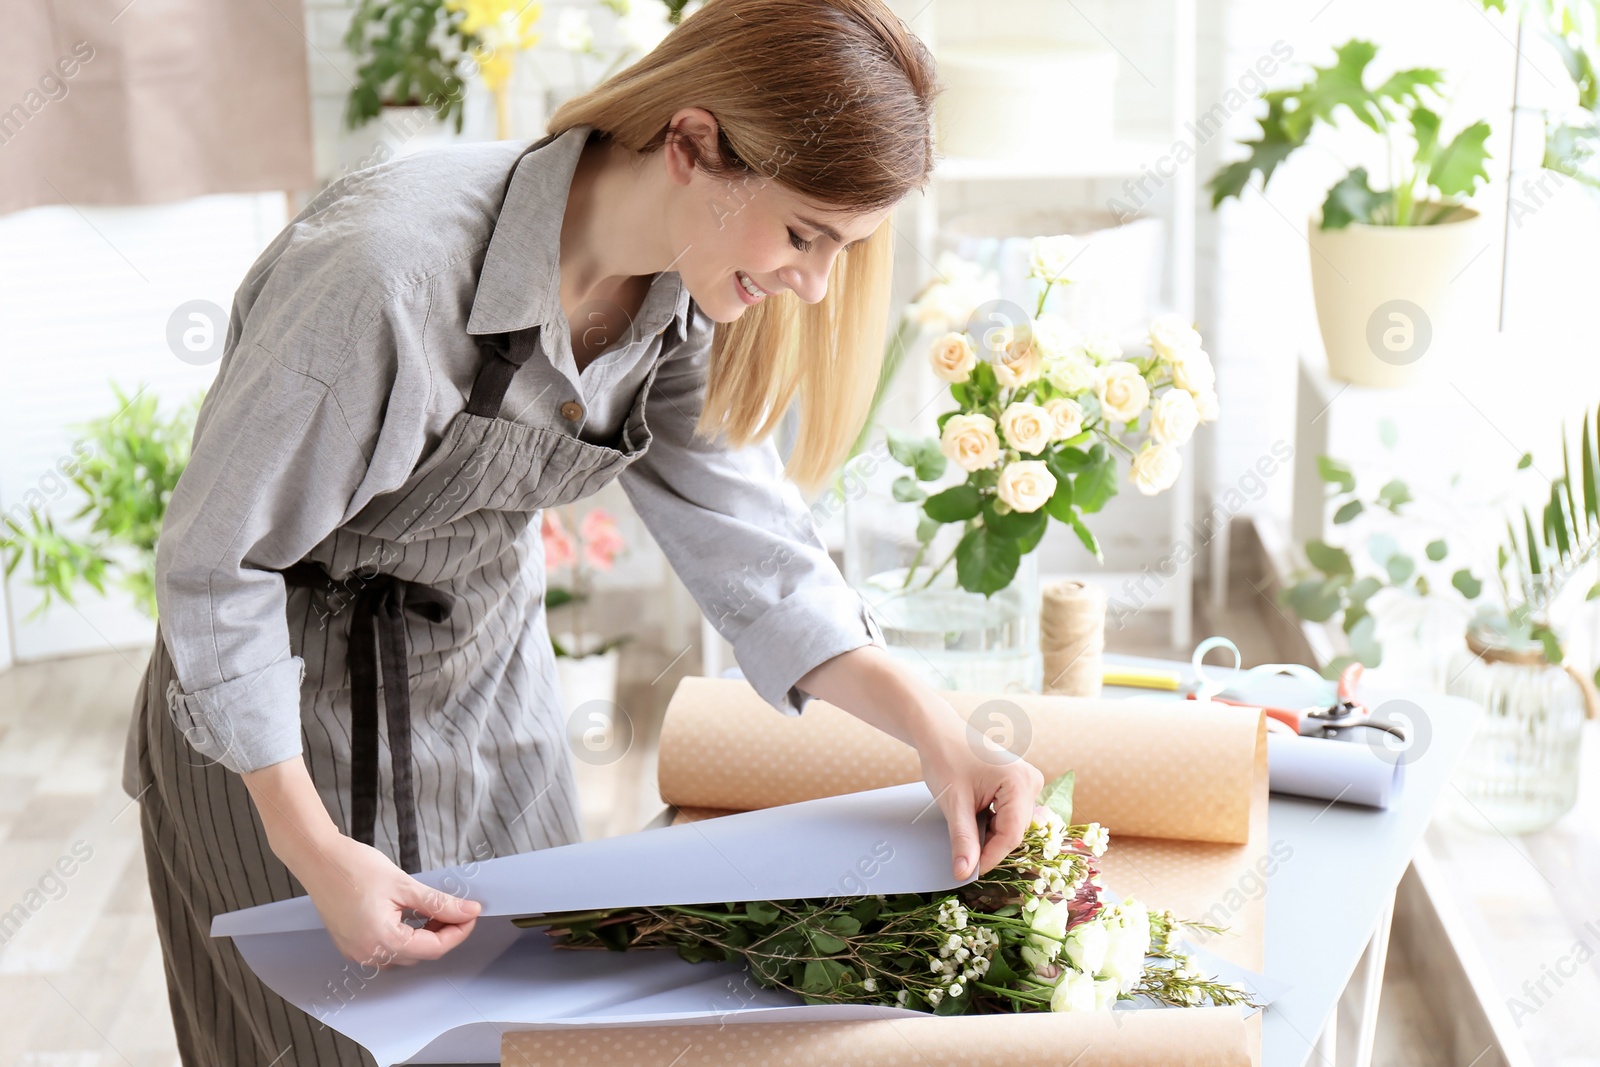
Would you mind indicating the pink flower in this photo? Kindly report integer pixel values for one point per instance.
(601, 540)
(558, 548)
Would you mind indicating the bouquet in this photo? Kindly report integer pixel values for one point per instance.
(1039, 932)
(1041, 411)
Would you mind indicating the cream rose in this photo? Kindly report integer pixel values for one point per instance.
(1206, 404)
(952, 357)
(1017, 356)
(1128, 944)
(970, 442)
(1102, 346)
(1026, 485)
(1170, 336)
(1052, 259)
(1193, 373)
(1086, 946)
(1054, 337)
(1173, 417)
(1028, 427)
(1075, 992)
(1123, 392)
(1068, 415)
(1155, 468)
(1071, 372)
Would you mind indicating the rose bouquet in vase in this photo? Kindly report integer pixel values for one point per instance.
(586, 664)
(1044, 417)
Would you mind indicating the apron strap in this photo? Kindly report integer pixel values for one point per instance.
(501, 361)
(378, 647)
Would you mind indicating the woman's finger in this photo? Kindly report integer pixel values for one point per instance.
(1013, 810)
(963, 823)
(437, 904)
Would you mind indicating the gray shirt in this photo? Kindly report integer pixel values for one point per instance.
(351, 346)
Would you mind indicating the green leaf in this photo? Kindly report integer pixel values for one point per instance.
(1313, 599)
(1060, 503)
(1057, 796)
(927, 528)
(1362, 590)
(985, 563)
(956, 504)
(1331, 470)
(1336, 666)
(1525, 462)
(1425, 131)
(1353, 200)
(1401, 87)
(906, 490)
(1364, 643)
(1096, 483)
(1088, 539)
(1591, 508)
(1400, 567)
(903, 447)
(1394, 494)
(825, 942)
(1552, 645)
(1466, 584)
(1458, 167)
(762, 912)
(1270, 148)
(1347, 511)
(1023, 527)
(1437, 550)
(1328, 559)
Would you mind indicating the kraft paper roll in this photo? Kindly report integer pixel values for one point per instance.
(1146, 767)
(1136, 1039)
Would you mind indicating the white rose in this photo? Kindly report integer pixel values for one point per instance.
(1193, 373)
(1071, 372)
(1122, 390)
(1102, 346)
(1170, 336)
(1106, 992)
(1174, 417)
(1068, 416)
(970, 442)
(1086, 946)
(1206, 405)
(1028, 427)
(1155, 468)
(1075, 992)
(952, 357)
(1026, 485)
(1054, 337)
(1016, 356)
(1128, 944)
(1051, 258)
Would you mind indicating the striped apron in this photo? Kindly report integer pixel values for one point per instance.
(430, 600)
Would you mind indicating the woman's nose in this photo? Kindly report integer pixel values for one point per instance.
(809, 278)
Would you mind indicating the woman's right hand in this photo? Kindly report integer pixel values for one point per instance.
(363, 899)
(362, 896)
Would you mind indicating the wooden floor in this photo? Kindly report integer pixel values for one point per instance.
(81, 978)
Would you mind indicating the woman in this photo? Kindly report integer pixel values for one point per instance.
(430, 353)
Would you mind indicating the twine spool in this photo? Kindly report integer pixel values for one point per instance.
(1072, 637)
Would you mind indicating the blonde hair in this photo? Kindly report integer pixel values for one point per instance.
(764, 69)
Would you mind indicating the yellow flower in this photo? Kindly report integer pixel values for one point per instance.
(505, 27)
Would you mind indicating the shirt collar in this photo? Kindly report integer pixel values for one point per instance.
(520, 283)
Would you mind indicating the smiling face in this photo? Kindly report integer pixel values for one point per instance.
(743, 241)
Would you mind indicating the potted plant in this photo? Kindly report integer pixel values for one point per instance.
(586, 663)
(1521, 771)
(1382, 260)
(126, 467)
(1041, 413)
(410, 59)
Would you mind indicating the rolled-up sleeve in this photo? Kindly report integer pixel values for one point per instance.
(274, 464)
(741, 538)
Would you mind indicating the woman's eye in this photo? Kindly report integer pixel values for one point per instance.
(799, 243)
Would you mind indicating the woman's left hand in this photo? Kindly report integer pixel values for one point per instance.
(965, 773)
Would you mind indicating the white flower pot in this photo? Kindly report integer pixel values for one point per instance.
(1391, 300)
(585, 678)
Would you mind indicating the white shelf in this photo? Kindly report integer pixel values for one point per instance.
(1112, 159)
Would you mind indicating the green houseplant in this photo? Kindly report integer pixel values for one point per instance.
(132, 464)
(1382, 259)
(407, 55)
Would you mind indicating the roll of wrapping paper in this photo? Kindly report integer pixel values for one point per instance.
(1182, 788)
(1072, 637)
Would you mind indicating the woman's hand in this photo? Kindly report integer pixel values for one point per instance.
(964, 772)
(361, 895)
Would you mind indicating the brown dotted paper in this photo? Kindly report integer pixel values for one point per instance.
(1181, 786)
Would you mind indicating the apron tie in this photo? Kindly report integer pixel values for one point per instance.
(378, 647)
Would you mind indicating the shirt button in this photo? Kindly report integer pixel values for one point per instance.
(572, 411)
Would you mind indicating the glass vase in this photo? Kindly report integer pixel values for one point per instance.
(1520, 772)
(947, 636)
